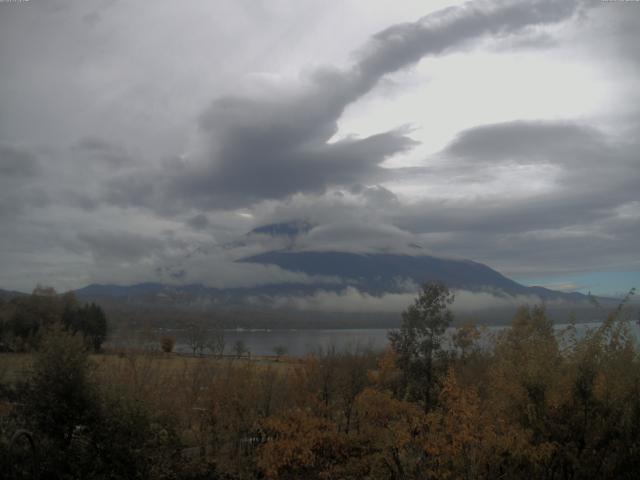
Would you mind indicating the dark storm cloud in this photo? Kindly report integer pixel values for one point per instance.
(618, 28)
(583, 249)
(586, 218)
(440, 32)
(379, 196)
(96, 148)
(530, 41)
(250, 174)
(17, 162)
(21, 171)
(126, 190)
(120, 246)
(588, 209)
(473, 217)
(198, 222)
(595, 173)
(271, 148)
(527, 141)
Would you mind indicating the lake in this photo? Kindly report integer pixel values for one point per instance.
(303, 342)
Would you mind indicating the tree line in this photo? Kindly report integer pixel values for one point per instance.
(23, 318)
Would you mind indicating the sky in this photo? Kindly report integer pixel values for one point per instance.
(140, 140)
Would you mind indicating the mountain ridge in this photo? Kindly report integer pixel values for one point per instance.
(370, 273)
(383, 268)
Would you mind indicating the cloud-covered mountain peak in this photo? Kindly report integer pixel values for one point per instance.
(291, 229)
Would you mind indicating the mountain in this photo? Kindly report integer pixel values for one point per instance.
(372, 273)
(380, 273)
(287, 229)
(196, 294)
(9, 294)
(333, 273)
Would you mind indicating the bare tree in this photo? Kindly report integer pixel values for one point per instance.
(215, 341)
(196, 337)
(240, 348)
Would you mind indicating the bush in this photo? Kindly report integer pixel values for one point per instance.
(87, 431)
(167, 344)
(60, 396)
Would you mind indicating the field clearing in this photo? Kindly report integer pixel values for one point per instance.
(182, 386)
(16, 367)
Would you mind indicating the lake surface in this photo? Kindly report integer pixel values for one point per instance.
(303, 342)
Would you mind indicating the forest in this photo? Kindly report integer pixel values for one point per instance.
(528, 401)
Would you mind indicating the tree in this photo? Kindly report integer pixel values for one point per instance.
(28, 314)
(352, 378)
(466, 338)
(302, 445)
(215, 341)
(460, 433)
(87, 429)
(89, 320)
(60, 397)
(196, 337)
(240, 348)
(96, 326)
(44, 291)
(23, 327)
(418, 341)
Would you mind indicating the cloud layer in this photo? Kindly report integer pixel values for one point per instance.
(147, 156)
(253, 148)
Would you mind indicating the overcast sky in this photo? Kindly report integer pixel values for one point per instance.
(138, 140)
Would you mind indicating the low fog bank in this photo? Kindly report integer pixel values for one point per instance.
(347, 308)
(352, 300)
(491, 307)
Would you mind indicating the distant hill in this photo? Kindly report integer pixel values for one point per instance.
(9, 294)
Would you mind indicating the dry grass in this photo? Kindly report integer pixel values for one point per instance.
(181, 387)
(15, 367)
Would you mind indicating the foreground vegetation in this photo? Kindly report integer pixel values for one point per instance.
(525, 403)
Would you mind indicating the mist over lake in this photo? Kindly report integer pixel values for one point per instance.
(301, 342)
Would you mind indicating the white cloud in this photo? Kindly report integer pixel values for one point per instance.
(351, 300)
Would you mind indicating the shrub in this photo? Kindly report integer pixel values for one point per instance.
(167, 344)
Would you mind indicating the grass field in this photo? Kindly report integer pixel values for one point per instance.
(15, 367)
(182, 386)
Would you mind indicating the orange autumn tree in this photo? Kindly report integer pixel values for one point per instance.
(389, 436)
(299, 445)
